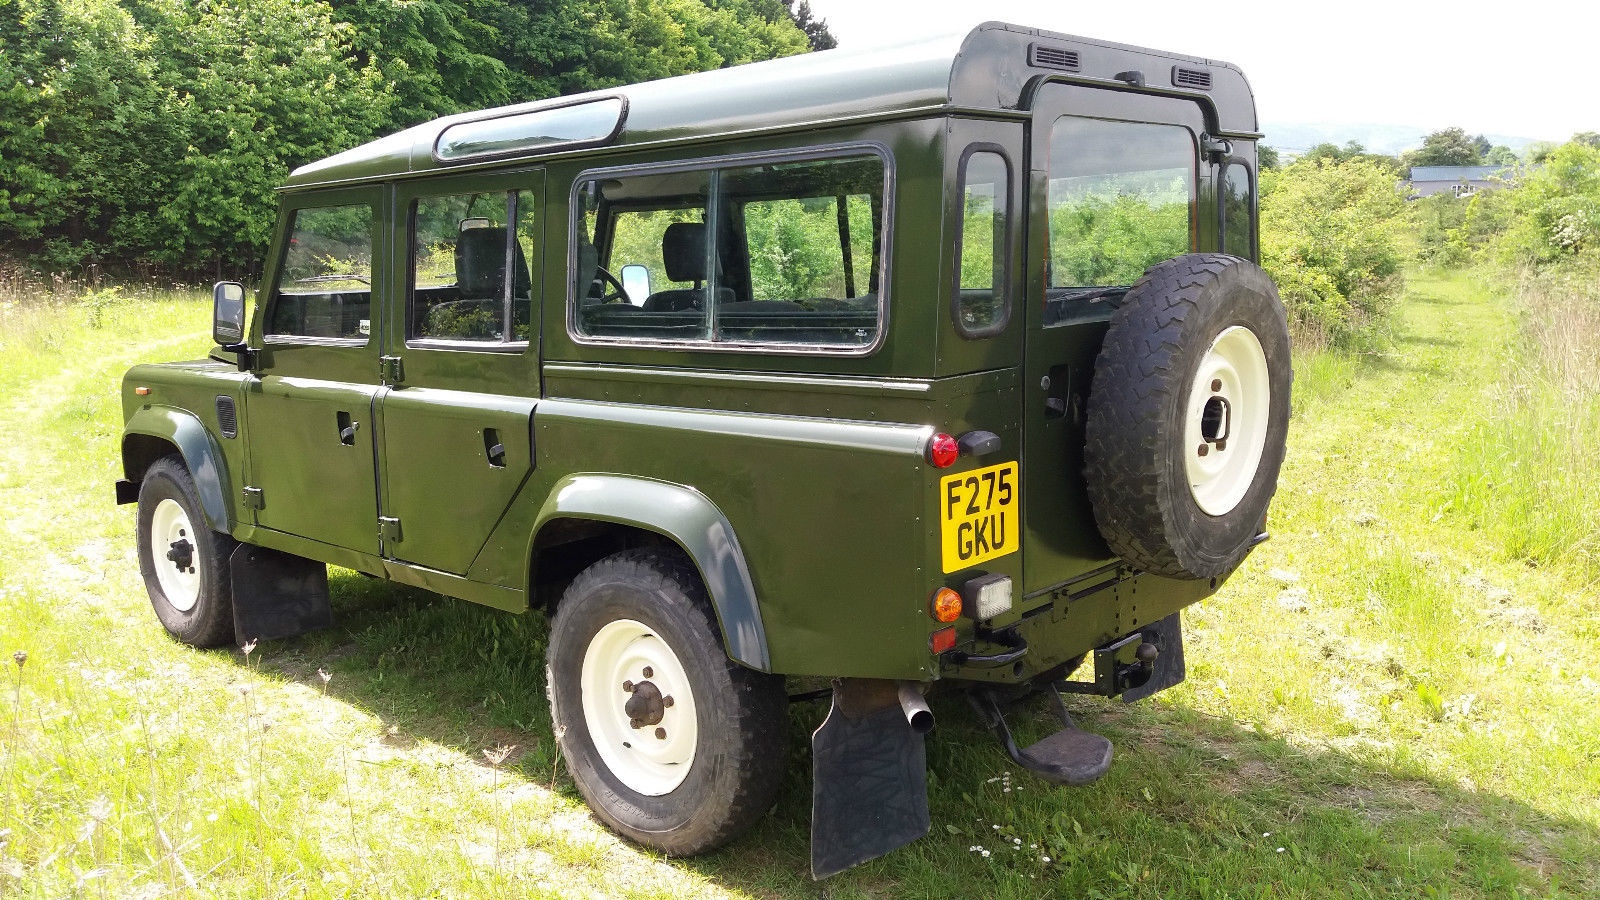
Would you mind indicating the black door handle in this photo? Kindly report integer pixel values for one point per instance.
(493, 448)
(347, 429)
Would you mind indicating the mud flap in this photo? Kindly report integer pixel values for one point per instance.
(869, 778)
(1168, 668)
(276, 595)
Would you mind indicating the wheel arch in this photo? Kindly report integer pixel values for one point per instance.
(599, 506)
(157, 431)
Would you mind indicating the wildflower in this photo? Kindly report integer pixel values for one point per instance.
(248, 647)
(498, 755)
(1044, 859)
(325, 675)
(21, 657)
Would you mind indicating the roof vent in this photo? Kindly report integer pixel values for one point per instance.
(1047, 57)
(1197, 79)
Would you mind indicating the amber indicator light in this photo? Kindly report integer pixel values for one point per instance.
(142, 391)
(946, 605)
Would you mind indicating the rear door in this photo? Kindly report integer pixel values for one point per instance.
(461, 363)
(1116, 184)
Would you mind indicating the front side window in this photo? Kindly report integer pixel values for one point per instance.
(789, 253)
(324, 287)
(470, 280)
(1120, 199)
(1238, 202)
(980, 299)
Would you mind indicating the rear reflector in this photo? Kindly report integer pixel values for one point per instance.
(942, 640)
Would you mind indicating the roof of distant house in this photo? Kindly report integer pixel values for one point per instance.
(1457, 173)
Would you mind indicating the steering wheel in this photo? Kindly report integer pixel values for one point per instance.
(614, 290)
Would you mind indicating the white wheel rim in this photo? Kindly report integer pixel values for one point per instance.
(620, 660)
(1225, 422)
(171, 535)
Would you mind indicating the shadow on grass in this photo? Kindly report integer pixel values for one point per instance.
(1195, 805)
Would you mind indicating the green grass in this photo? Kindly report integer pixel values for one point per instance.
(1388, 700)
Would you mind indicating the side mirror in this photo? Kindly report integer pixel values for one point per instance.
(636, 283)
(227, 315)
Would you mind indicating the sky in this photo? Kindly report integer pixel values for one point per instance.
(1525, 69)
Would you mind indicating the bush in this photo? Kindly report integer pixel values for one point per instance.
(1330, 237)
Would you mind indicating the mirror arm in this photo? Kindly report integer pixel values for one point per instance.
(248, 358)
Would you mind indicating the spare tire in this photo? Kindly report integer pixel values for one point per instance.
(1187, 416)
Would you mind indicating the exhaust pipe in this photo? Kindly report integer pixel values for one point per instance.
(915, 707)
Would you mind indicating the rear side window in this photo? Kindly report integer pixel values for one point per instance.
(470, 280)
(324, 287)
(1238, 201)
(982, 251)
(1120, 199)
(788, 253)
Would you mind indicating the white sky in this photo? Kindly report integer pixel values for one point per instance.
(1527, 68)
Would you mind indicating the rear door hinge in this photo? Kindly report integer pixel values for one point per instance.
(389, 529)
(254, 499)
(391, 369)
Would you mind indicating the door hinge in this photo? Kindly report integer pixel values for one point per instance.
(389, 529)
(254, 499)
(391, 369)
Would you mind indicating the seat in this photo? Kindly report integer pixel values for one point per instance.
(481, 264)
(683, 251)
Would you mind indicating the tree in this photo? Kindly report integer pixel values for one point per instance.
(1500, 155)
(1587, 138)
(1449, 147)
(1266, 157)
(816, 30)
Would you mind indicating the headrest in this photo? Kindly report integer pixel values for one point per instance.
(683, 250)
(481, 264)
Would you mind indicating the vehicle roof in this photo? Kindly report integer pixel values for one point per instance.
(987, 70)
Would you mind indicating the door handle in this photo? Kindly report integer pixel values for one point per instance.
(493, 448)
(347, 429)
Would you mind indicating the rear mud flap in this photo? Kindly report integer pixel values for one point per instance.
(276, 595)
(869, 778)
(1167, 669)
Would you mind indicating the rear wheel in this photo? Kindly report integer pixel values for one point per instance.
(672, 744)
(1188, 414)
(184, 562)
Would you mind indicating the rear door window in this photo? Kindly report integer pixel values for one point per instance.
(1121, 199)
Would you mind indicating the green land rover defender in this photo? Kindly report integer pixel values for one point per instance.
(939, 366)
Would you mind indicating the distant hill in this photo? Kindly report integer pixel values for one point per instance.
(1298, 137)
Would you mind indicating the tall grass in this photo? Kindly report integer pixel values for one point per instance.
(1529, 468)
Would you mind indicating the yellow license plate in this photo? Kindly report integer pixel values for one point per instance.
(978, 515)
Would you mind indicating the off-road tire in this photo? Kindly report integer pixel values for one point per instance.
(208, 620)
(1134, 459)
(740, 754)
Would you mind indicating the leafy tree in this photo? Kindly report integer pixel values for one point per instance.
(1266, 157)
(1449, 147)
(1587, 138)
(1500, 155)
(1555, 210)
(1330, 238)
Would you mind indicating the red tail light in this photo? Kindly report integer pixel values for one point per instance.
(943, 450)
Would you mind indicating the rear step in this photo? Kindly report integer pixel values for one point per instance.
(1070, 756)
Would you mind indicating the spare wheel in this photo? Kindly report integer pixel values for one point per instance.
(1187, 416)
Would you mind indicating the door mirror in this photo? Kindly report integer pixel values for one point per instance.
(636, 283)
(227, 313)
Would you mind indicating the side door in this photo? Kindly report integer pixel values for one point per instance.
(309, 412)
(1116, 184)
(461, 363)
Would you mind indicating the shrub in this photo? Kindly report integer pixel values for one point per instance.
(1330, 237)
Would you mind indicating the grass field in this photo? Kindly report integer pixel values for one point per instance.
(1394, 697)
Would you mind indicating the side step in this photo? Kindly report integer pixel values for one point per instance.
(1070, 756)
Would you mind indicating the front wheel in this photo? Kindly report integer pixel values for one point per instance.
(184, 562)
(672, 744)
